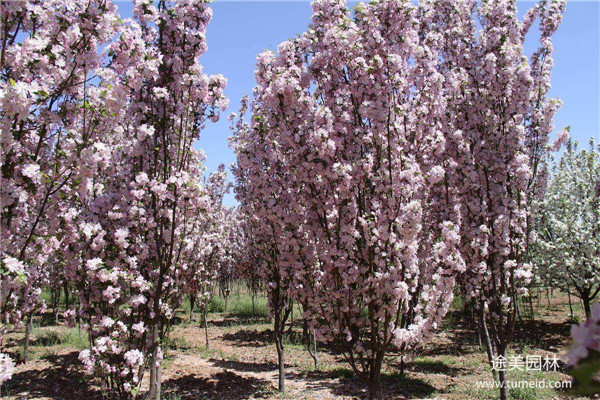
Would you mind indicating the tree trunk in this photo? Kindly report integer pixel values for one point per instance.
(66, 289)
(477, 327)
(518, 308)
(192, 302)
(278, 331)
(311, 344)
(586, 306)
(570, 305)
(226, 302)
(158, 379)
(28, 328)
(253, 312)
(488, 343)
(374, 385)
(532, 316)
(503, 378)
(280, 361)
(154, 390)
(206, 328)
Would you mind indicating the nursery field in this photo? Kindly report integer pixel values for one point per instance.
(241, 361)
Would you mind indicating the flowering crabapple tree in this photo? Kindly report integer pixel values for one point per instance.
(208, 243)
(246, 268)
(498, 106)
(259, 196)
(49, 54)
(347, 133)
(568, 225)
(129, 248)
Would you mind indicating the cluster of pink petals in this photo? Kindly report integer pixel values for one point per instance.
(586, 337)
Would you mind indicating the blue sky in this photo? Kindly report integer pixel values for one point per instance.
(240, 30)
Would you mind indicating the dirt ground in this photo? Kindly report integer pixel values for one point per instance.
(241, 362)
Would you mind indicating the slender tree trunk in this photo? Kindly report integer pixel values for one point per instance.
(304, 328)
(503, 377)
(402, 366)
(478, 326)
(548, 297)
(311, 345)
(66, 289)
(158, 382)
(518, 308)
(280, 361)
(192, 302)
(488, 343)
(154, 390)
(532, 316)
(570, 305)
(206, 328)
(227, 301)
(28, 329)
(278, 331)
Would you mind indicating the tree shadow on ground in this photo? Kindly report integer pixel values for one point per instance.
(222, 386)
(342, 382)
(250, 337)
(64, 379)
(460, 332)
(236, 320)
(434, 367)
(245, 366)
(550, 336)
(256, 338)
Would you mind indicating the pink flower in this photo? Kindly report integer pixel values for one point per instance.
(6, 368)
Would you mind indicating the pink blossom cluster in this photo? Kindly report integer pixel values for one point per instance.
(586, 337)
(6, 368)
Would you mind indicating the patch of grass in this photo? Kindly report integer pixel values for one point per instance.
(46, 342)
(341, 373)
(70, 337)
(178, 343)
(240, 306)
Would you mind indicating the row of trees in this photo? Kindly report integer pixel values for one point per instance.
(100, 179)
(392, 152)
(394, 156)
